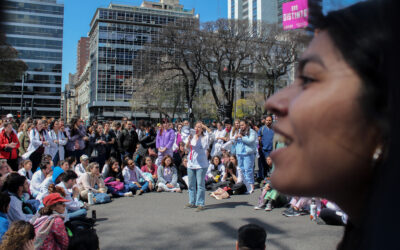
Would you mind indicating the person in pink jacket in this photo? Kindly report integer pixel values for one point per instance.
(165, 140)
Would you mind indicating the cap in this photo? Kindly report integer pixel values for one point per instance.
(10, 116)
(52, 199)
(57, 171)
(84, 157)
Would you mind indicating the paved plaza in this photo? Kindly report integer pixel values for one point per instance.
(159, 221)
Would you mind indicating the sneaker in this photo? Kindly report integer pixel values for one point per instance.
(199, 208)
(258, 207)
(269, 207)
(189, 205)
(293, 212)
(178, 190)
(128, 194)
(288, 210)
(159, 189)
(140, 192)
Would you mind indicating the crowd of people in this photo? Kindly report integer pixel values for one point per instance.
(50, 171)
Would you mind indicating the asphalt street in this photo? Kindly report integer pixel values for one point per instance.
(159, 221)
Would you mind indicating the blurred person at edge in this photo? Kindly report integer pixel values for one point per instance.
(343, 105)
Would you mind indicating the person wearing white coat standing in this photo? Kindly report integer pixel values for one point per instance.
(57, 142)
(197, 165)
(39, 144)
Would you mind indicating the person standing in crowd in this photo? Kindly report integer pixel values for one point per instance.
(76, 134)
(246, 152)
(57, 142)
(38, 142)
(98, 146)
(19, 236)
(147, 142)
(49, 224)
(197, 165)
(219, 135)
(178, 136)
(265, 138)
(231, 143)
(165, 141)
(24, 139)
(127, 140)
(9, 145)
(111, 140)
(179, 154)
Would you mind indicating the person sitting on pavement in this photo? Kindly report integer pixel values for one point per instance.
(149, 169)
(64, 165)
(49, 224)
(4, 171)
(39, 176)
(14, 185)
(167, 176)
(54, 178)
(114, 179)
(4, 205)
(20, 235)
(233, 177)
(251, 237)
(91, 181)
(297, 206)
(215, 172)
(74, 207)
(81, 168)
(267, 198)
(25, 169)
(183, 178)
(132, 175)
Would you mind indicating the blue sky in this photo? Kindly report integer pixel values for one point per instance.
(79, 13)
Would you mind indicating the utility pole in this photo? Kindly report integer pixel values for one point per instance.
(22, 93)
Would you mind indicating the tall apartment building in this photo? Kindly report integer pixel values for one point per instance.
(35, 29)
(116, 35)
(269, 11)
(82, 55)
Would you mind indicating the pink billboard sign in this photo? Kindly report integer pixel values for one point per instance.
(295, 14)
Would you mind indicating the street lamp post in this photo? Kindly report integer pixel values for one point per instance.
(22, 93)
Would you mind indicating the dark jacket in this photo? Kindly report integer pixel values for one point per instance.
(101, 148)
(24, 141)
(127, 141)
(147, 141)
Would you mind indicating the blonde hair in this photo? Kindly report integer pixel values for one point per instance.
(19, 233)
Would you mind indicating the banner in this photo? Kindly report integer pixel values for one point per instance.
(295, 14)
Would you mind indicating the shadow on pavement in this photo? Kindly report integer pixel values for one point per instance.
(228, 205)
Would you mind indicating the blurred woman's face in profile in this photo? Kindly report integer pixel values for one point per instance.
(320, 121)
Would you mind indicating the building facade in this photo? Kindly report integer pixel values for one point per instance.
(35, 29)
(117, 34)
(254, 10)
(82, 55)
(82, 94)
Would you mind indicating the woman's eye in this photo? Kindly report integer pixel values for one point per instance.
(306, 80)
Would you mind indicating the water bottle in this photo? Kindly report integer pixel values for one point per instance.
(90, 197)
(313, 210)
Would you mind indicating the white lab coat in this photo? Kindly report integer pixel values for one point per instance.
(35, 142)
(54, 148)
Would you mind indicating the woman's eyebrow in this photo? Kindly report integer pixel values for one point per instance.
(310, 58)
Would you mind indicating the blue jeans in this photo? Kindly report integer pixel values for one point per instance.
(144, 188)
(78, 213)
(197, 186)
(246, 164)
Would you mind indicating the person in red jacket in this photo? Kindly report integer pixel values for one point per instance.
(8, 146)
